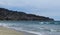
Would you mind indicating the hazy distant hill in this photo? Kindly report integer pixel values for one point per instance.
(6, 14)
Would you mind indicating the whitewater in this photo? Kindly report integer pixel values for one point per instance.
(35, 27)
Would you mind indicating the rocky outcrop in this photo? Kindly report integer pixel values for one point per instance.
(6, 14)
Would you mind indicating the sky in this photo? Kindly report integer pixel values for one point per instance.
(47, 8)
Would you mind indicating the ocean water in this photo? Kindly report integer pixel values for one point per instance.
(35, 27)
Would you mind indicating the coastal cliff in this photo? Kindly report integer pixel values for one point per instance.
(6, 14)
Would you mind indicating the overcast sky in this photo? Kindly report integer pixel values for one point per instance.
(48, 8)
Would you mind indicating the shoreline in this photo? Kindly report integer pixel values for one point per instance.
(9, 31)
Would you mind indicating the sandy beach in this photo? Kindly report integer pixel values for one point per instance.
(7, 31)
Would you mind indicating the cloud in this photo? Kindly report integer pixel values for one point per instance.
(34, 3)
(12, 3)
(2, 3)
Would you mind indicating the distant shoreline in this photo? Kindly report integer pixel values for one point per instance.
(27, 20)
(6, 14)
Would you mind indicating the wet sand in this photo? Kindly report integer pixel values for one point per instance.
(7, 31)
